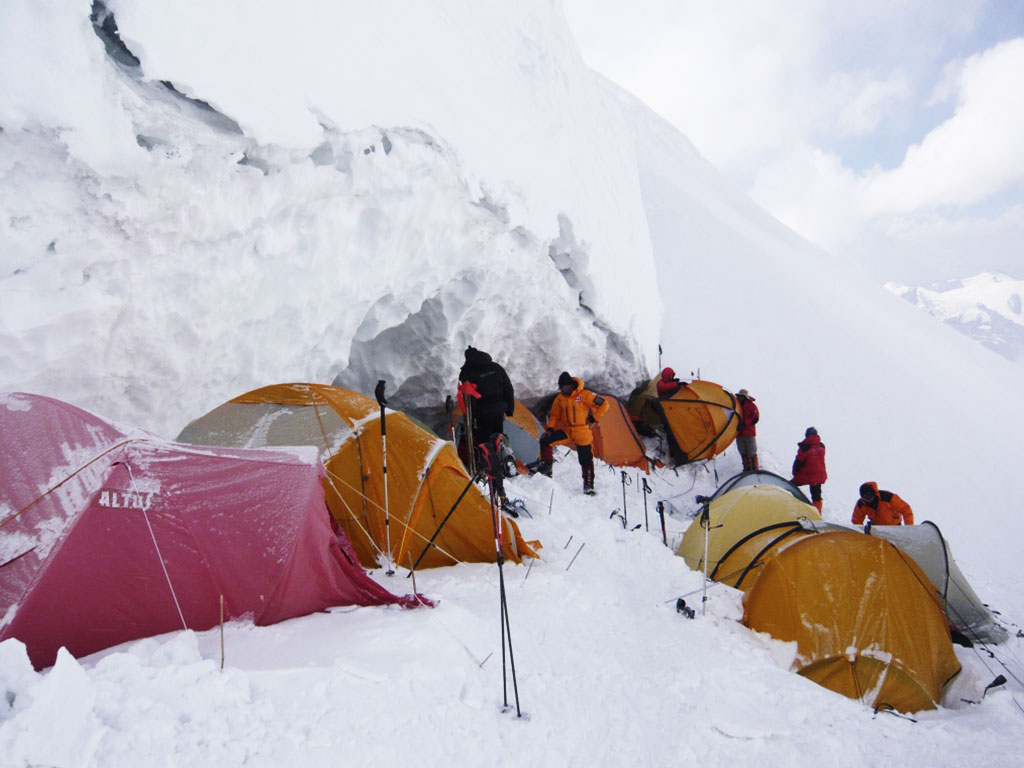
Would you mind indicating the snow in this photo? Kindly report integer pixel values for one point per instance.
(608, 673)
(985, 307)
(376, 186)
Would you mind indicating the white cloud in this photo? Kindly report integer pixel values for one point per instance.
(870, 101)
(977, 153)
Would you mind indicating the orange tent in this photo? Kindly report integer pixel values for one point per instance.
(424, 477)
(866, 620)
(616, 441)
(700, 419)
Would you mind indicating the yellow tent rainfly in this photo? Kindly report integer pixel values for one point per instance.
(424, 477)
(700, 419)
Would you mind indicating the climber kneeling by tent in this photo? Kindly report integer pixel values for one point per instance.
(569, 418)
(881, 507)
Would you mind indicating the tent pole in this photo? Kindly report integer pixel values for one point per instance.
(705, 523)
(379, 393)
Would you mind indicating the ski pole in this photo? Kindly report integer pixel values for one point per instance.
(625, 481)
(379, 393)
(468, 426)
(647, 490)
(506, 631)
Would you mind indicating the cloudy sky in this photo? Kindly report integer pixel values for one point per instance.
(887, 131)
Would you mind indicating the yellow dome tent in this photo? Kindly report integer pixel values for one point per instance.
(424, 477)
(700, 419)
(865, 618)
(734, 516)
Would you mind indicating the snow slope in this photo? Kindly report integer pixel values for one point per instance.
(896, 397)
(358, 190)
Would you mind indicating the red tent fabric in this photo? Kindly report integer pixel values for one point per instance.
(109, 534)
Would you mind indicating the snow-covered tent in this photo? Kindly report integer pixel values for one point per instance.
(700, 419)
(865, 620)
(967, 615)
(425, 479)
(109, 534)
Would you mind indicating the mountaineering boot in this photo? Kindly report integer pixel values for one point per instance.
(545, 468)
(817, 504)
(588, 481)
(753, 463)
(746, 463)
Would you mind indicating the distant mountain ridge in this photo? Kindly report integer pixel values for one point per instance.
(988, 307)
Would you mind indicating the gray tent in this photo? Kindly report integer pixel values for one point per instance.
(964, 609)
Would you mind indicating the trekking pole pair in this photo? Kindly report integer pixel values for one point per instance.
(506, 631)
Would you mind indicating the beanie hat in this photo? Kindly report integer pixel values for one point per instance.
(810, 431)
(564, 379)
(743, 393)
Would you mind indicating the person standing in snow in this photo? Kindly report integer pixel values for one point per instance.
(569, 419)
(668, 384)
(496, 401)
(746, 441)
(881, 507)
(809, 465)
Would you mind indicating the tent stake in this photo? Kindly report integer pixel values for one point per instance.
(222, 633)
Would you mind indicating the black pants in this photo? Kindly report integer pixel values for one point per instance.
(816, 492)
(585, 453)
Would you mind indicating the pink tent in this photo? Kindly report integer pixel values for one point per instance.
(109, 534)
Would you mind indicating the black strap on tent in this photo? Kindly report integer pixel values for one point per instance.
(713, 440)
(764, 549)
(748, 537)
(438, 531)
(675, 451)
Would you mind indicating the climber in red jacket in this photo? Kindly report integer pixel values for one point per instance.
(746, 441)
(809, 464)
